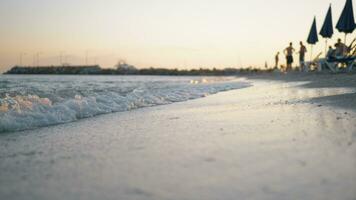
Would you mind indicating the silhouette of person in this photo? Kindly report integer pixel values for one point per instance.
(302, 52)
(331, 53)
(289, 55)
(276, 58)
(340, 49)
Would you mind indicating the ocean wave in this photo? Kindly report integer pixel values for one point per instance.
(29, 103)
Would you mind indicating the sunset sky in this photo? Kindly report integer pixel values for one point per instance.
(160, 33)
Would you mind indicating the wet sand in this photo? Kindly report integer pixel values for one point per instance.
(286, 137)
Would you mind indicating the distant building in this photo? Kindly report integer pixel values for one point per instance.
(123, 68)
(81, 69)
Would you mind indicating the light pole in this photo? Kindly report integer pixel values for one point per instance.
(61, 57)
(34, 60)
(38, 58)
(86, 57)
(21, 57)
(66, 59)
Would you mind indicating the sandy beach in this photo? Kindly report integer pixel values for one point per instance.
(285, 137)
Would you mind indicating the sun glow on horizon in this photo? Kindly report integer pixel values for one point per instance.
(161, 33)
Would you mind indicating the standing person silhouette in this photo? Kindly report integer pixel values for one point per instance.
(341, 49)
(289, 56)
(276, 58)
(302, 52)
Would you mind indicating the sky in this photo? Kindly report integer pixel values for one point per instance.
(160, 33)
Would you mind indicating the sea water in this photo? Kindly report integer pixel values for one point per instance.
(33, 101)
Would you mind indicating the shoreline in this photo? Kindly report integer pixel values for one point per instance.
(279, 139)
(35, 111)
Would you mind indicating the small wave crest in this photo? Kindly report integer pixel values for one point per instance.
(36, 105)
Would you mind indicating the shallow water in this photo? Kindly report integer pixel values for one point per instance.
(272, 141)
(28, 102)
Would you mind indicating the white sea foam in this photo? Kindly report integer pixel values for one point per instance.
(28, 102)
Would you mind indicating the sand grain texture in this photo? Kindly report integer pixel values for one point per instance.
(280, 139)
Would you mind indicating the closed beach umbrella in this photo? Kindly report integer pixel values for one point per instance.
(313, 37)
(346, 23)
(327, 29)
(313, 34)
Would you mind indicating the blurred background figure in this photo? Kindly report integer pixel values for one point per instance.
(340, 48)
(276, 59)
(289, 56)
(302, 52)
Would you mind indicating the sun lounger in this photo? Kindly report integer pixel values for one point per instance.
(351, 64)
(333, 63)
(314, 62)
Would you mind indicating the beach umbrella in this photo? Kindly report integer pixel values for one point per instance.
(313, 37)
(327, 29)
(346, 23)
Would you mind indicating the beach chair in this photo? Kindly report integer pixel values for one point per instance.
(352, 58)
(314, 62)
(353, 64)
(330, 64)
(348, 60)
(333, 63)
